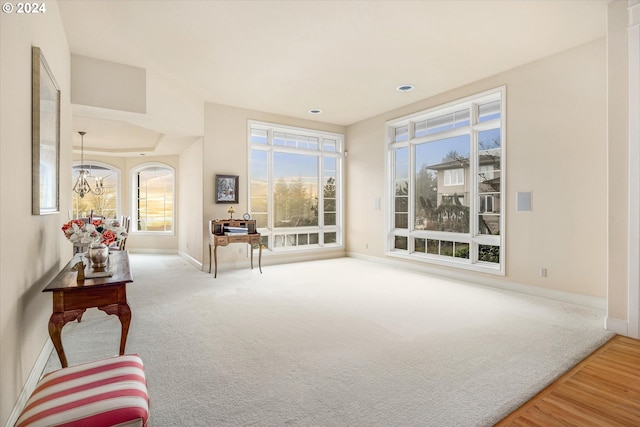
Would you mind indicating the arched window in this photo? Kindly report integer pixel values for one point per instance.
(153, 198)
(106, 204)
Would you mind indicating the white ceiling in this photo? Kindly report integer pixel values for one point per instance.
(343, 57)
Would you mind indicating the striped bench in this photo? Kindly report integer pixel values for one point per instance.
(104, 393)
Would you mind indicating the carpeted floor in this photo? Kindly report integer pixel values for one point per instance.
(341, 342)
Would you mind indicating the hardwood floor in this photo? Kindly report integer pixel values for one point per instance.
(602, 390)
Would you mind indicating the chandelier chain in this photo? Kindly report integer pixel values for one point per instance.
(82, 185)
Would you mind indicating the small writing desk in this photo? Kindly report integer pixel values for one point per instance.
(72, 298)
(218, 238)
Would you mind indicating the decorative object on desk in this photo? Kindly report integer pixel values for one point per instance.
(226, 188)
(246, 216)
(235, 231)
(45, 137)
(98, 254)
(82, 186)
(96, 273)
(105, 231)
(79, 267)
(230, 211)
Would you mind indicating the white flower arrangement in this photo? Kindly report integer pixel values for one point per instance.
(105, 231)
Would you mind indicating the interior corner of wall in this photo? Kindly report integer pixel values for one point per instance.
(619, 326)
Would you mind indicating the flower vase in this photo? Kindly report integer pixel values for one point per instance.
(98, 255)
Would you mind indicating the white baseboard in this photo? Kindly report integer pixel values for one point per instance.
(191, 260)
(618, 326)
(583, 300)
(31, 383)
(153, 251)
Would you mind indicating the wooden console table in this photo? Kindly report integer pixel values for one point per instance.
(72, 298)
(217, 237)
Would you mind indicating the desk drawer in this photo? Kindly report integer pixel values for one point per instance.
(94, 297)
(238, 239)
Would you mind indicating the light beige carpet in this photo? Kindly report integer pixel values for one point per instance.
(341, 342)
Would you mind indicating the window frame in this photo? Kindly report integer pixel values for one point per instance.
(459, 175)
(270, 234)
(473, 238)
(134, 199)
(117, 171)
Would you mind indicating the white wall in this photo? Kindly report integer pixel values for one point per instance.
(556, 146)
(106, 84)
(190, 202)
(32, 248)
(618, 168)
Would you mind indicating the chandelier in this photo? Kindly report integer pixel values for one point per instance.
(82, 186)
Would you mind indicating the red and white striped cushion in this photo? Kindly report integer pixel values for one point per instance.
(104, 393)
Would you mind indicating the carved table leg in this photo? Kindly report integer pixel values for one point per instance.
(123, 311)
(209, 258)
(215, 261)
(259, 257)
(56, 323)
(251, 250)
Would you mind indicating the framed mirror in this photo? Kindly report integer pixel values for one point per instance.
(45, 137)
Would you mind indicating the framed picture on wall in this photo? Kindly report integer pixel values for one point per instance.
(45, 137)
(226, 188)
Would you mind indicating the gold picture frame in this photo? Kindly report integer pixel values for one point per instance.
(45, 137)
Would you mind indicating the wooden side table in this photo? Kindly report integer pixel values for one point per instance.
(71, 297)
(218, 238)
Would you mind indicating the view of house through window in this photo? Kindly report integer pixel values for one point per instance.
(153, 198)
(106, 204)
(295, 177)
(447, 184)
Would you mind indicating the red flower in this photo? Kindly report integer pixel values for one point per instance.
(69, 225)
(108, 237)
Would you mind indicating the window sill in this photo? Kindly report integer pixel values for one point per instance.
(457, 263)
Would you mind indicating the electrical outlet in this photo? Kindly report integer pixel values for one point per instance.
(543, 272)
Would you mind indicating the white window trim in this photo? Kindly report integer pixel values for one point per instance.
(134, 200)
(457, 175)
(271, 231)
(473, 238)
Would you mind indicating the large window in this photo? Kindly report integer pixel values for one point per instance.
(295, 186)
(105, 204)
(447, 182)
(153, 198)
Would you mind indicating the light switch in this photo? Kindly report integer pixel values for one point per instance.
(523, 201)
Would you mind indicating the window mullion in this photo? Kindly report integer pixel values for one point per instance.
(473, 178)
(451, 220)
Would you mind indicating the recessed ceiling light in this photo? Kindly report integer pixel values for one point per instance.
(142, 154)
(315, 111)
(404, 88)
